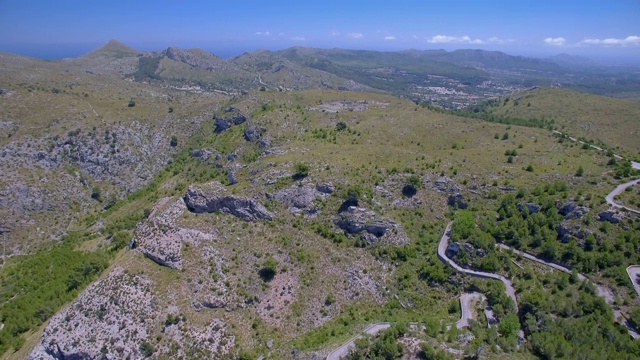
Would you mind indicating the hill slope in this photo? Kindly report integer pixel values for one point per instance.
(612, 122)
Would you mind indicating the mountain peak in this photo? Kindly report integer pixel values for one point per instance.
(113, 49)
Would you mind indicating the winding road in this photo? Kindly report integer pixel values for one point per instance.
(619, 190)
(442, 249)
(603, 291)
(465, 307)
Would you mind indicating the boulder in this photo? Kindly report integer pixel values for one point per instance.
(533, 208)
(213, 197)
(611, 216)
(453, 249)
(457, 200)
(326, 188)
(296, 197)
(221, 124)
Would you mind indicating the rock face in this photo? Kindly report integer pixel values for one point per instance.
(458, 201)
(212, 197)
(611, 216)
(231, 116)
(356, 220)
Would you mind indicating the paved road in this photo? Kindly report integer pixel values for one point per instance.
(442, 249)
(618, 190)
(346, 347)
(465, 307)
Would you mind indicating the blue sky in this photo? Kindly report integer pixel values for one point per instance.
(608, 30)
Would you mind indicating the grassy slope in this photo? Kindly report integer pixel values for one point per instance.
(613, 122)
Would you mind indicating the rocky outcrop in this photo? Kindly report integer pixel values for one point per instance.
(159, 237)
(445, 184)
(457, 200)
(205, 154)
(611, 216)
(356, 220)
(573, 211)
(213, 197)
(252, 132)
(298, 198)
(231, 116)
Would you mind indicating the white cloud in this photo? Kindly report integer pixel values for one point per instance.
(298, 38)
(559, 41)
(263, 33)
(497, 40)
(335, 33)
(444, 39)
(389, 37)
(629, 40)
(355, 35)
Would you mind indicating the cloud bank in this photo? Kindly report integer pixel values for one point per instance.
(444, 39)
(629, 40)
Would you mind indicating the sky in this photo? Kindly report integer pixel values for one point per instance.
(607, 31)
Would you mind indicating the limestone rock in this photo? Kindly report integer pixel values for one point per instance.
(571, 210)
(297, 198)
(356, 220)
(213, 197)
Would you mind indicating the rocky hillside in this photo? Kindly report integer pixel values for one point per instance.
(151, 216)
